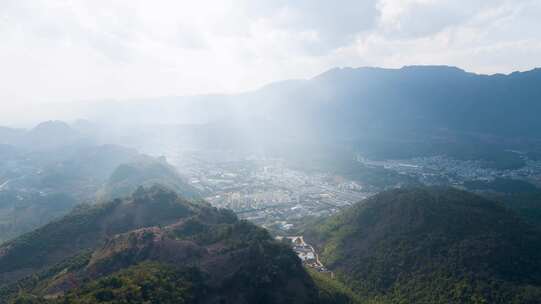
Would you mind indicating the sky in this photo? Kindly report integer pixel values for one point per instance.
(55, 51)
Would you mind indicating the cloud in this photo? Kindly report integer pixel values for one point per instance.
(481, 36)
(332, 24)
(64, 50)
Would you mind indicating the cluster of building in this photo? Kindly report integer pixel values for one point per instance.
(438, 170)
(306, 252)
(268, 192)
(271, 194)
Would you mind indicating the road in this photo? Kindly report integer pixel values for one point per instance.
(318, 262)
(4, 184)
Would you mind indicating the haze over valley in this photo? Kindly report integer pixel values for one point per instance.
(314, 159)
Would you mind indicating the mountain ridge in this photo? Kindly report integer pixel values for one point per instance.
(434, 245)
(156, 247)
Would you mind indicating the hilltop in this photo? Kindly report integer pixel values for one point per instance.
(155, 247)
(127, 177)
(51, 168)
(432, 245)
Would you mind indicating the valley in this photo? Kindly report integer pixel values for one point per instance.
(280, 195)
(306, 253)
(268, 192)
(216, 213)
(270, 152)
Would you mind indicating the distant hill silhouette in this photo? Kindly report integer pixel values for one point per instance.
(418, 98)
(47, 170)
(390, 113)
(127, 177)
(52, 134)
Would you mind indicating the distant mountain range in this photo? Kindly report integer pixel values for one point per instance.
(390, 113)
(425, 98)
(47, 170)
(356, 100)
(44, 136)
(348, 104)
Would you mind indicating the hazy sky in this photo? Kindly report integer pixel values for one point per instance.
(57, 51)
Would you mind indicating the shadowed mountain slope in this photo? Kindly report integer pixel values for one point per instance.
(433, 245)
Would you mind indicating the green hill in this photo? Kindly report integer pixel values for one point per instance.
(155, 247)
(432, 245)
(39, 187)
(86, 227)
(146, 172)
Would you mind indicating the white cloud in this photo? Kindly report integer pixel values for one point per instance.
(61, 50)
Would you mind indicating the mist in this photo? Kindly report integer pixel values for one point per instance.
(270, 151)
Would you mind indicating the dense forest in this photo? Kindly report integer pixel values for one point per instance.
(155, 247)
(432, 245)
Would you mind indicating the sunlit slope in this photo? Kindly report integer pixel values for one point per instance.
(86, 227)
(155, 247)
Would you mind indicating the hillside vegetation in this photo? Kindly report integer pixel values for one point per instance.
(432, 245)
(156, 247)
